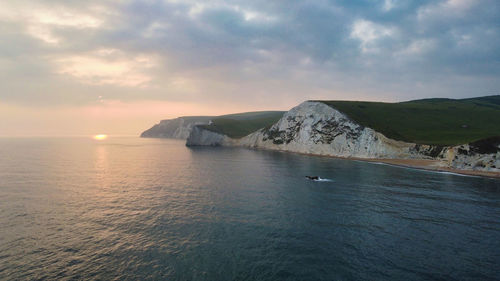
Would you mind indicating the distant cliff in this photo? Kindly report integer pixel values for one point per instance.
(178, 128)
(233, 125)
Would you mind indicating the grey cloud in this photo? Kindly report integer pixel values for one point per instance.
(268, 49)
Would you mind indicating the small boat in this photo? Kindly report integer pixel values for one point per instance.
(313, 178)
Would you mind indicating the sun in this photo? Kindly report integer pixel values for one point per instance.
(100, 137)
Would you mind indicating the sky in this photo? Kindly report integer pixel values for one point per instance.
(71, 67)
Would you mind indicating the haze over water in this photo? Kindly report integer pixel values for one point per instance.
(130, 208)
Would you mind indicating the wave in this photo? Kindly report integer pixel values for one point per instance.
(456, 174)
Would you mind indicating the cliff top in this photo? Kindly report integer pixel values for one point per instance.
(240, 125)
(428, 121)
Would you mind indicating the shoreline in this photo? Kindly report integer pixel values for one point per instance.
(419, 164)
(431, 165)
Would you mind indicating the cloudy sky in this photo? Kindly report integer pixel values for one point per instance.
(71, 67)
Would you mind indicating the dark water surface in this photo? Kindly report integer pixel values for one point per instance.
(130, 208)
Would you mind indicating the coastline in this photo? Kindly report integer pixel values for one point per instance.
(431, 165)
(420, 164)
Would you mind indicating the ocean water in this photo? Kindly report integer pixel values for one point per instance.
(151, 209)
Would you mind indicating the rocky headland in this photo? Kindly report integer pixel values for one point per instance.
(316, 128)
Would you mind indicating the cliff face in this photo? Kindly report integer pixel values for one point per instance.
(317, 128)
(178, 128)
(482, 155)
(202, 137)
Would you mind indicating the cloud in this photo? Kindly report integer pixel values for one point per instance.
(416, 48)
(369, 33)
(388, 5)
(251, 53)
(41, 21)
(106, 66)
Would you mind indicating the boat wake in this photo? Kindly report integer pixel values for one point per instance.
(317, 178)
(321, 179)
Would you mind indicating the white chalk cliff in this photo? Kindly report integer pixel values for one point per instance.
(200, 136)
(470, 157)
(178, 128)
(316, 128)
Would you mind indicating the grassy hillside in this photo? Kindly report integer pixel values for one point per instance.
(428, 121)
(242, 124)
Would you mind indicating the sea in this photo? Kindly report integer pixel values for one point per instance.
(127, 208)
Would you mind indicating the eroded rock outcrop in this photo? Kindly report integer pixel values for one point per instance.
(483, 155)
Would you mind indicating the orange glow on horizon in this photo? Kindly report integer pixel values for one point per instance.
(107, 116)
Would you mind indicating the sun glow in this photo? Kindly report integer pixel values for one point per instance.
(100, 137)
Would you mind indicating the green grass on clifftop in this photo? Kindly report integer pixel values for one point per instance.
(428, 121)
(242, 124)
